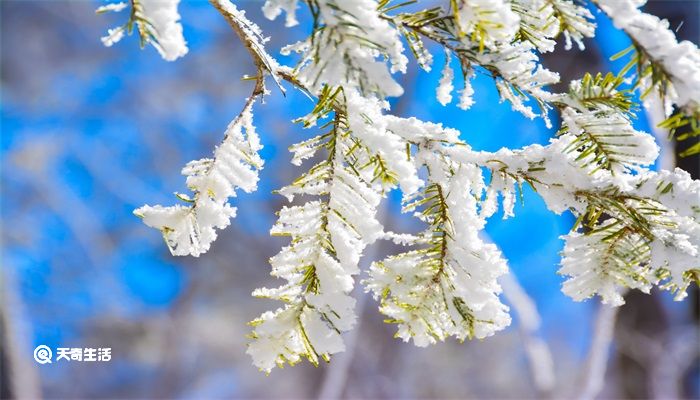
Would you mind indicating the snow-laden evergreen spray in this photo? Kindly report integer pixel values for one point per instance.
(635, 228)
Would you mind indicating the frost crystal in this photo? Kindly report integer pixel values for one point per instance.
(575, 21)
(538, 22)
(466, 93)
(114, 7)
(167, 29)
(520, 75)
(273, 8)
(157, 22)
(353, 38)
(489, 21)
(445, 87)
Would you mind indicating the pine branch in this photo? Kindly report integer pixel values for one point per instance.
(512, 66)
(190, 229)
(636, 224)
(607, 141)
(327, 235)
(429, 291)
(601, 92)
(666, 70)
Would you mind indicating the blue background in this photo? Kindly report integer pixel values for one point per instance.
(90, 133)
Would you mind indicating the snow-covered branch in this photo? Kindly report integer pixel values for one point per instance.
(667, 72)
(635, 228)
(190, 229)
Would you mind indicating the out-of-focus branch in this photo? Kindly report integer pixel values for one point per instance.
(593, 374)
(335, 378)
(80, 218)
(666, 362)
(17, 367)
(536, 349)
(655, 113)
(673, 362)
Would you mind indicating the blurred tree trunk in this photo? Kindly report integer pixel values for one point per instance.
(18, 374)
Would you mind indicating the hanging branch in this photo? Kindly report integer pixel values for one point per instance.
(635, 228)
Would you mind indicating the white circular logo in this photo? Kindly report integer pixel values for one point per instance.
(42, 354)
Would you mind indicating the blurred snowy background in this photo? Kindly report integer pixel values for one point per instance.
(90, 133)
